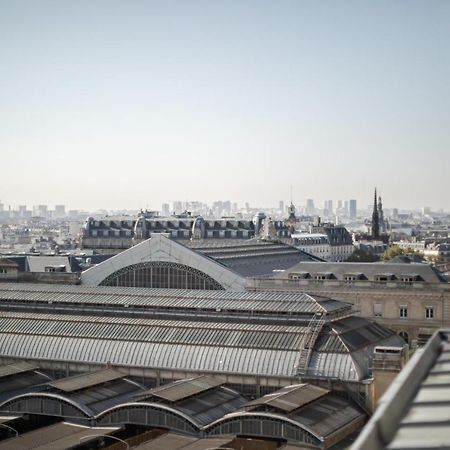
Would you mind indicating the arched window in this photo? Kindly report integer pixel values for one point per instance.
(158, 274)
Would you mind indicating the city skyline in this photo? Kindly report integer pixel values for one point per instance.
(127, 105)
(343, 206)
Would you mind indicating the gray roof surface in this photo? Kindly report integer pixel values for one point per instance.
(370, 270)
(208, 443)
(290, 398)
(355, 332)
(39, 263)
(182, 356)
(172, 441)
(251, 257)
(327, 415)
(169, 441)
(14, 368)
(426, 424)
(209, 406)
(208, 345)
(171, 298)
(21, 383)
(106, 395)
(85, 380)
(414, 413)
(312, 408)
(182, 388)
(257, 336)
(59, 436)
(93, 392)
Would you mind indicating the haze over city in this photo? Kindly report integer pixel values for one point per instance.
(110, 104)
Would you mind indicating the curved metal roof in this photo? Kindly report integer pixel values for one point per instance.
(148, 354)
(258, 415)
(280, 302)
(156, 331)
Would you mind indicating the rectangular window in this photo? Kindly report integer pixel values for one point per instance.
(403, 311)
(429, 312)
(377, 309)
(407, 280)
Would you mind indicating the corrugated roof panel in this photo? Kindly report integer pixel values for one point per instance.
(58, 436)
(182, 389)
(327, 415)
(252, 336)
(290, 398)
(225, 300)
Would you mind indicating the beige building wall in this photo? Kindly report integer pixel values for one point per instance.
(390, 298)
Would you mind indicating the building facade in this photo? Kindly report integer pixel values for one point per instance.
(412, 299)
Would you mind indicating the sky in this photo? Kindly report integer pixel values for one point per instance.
(128, 104)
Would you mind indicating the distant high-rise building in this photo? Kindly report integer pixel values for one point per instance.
(226, 210)
(352, 209)
(395, 213)
(1, 207)
(328, 208)
(60, 210)
(281, 206)
(177, 207)
(339, 204)
(40, 211)
(165, 210)
(310, 209)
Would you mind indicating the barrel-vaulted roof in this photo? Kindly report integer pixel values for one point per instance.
(202, 346)
(279, 302)
(198, 406)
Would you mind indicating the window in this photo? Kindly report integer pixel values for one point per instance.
(349, 278)
(429, 312)
(377, 309)
(161, 275)
(403, 311)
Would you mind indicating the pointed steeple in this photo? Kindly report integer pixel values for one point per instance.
(381, 220)
(375, 218)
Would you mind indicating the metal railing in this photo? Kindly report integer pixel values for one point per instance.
(314, 327)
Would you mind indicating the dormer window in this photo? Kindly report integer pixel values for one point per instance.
(352, 277)
(409, 278)
(323, 276)
(299, 275)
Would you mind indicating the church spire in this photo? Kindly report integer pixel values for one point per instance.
(381, 220)
(375, 218)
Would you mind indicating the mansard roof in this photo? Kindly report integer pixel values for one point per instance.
(367, 271)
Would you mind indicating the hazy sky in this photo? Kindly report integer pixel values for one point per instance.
(123, 104)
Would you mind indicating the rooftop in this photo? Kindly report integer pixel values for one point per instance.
(58, 436)
(287, 302)
(368, 271)
(414, 413)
